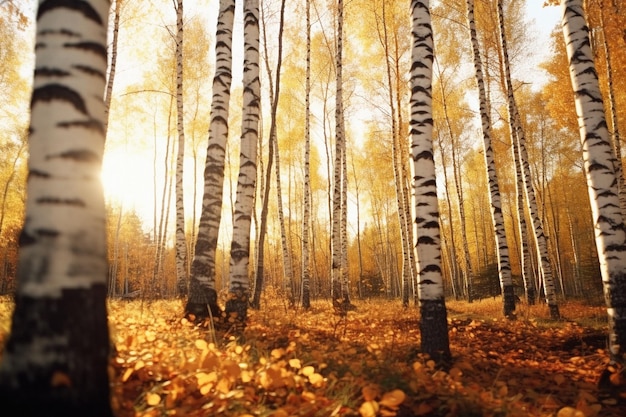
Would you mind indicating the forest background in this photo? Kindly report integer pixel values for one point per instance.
(138, 171)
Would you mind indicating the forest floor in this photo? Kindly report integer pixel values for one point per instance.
(292, 362)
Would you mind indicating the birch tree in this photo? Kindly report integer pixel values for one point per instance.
(502, 249)
(306, 218)
(55, 360)
(520, 154)
(260, 261)
(433, 324)
(599, 166)
(181, 244)
(202, 280)
(237, 304)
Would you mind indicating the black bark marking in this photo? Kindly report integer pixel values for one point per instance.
(95, 47)
(26, 239)
(47, 232)
(90, 71)
(79, 6)
(59, 92)
(90, 124)
(50, 72)
(62, 201)
(64, 31)
(33, 173)
(80, 156)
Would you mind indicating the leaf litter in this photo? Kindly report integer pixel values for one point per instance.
(292, 362)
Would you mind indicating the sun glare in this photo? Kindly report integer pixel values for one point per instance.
(127, 181)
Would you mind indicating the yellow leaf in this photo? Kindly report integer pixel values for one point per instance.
(246, 376)
(393, 398)
(295, 363)
(127, 374)
(569, 412)
(205, 379)
(368, 409)
(307, 370)
(277, 353)
(153, 399)
(316, 379)
(140, 364)
(201, 344)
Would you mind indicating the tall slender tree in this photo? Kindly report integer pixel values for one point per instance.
(434, 323)
(181, 244)
(202, 291)
(502, 249)
(339, 287)
(599, 164)
(237, 304)
(260, 261)
(397, 153)
(108, 94)
(55, 360)
(615, 135)
(306, 218)
(521, 155)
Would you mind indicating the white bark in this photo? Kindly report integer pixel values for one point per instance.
(599, 164)
(502, 249)
(433, 326)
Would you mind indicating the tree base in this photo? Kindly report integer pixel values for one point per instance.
(69, 376)
(203, 307)
(554, 312)
(38, 404)
(434, 330)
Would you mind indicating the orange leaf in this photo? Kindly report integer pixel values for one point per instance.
(370, 392)
(60, 379)
(423, 409)
(393, 398)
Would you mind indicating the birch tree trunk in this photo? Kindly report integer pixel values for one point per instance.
(202, 280)
(112, 66)
(260, 267)
(599, 164)
(518, 138)
(306, 218)
(615, 136)
(434, 323)
(56, 357)
(181, 244)
(237, 304)
(502, 249)
(339, 290)
(397, 171)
